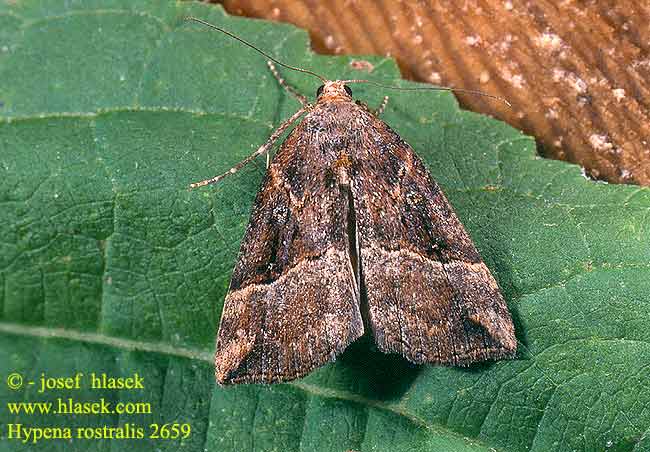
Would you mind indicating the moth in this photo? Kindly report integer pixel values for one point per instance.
(350, 234)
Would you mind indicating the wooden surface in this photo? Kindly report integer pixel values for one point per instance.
(576, 72)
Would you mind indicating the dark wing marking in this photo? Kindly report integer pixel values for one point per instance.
(293, 302)
(430, 296)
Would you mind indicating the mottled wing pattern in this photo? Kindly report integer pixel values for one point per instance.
(430, 296)
(293, 302)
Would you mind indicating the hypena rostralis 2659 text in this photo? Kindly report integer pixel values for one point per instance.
(349, 233)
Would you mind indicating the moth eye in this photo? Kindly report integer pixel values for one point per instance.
(319, 91)
(347, 90)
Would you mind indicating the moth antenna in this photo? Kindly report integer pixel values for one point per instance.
(437, 88)
(232, 35)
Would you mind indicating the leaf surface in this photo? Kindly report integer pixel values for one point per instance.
(109, 264)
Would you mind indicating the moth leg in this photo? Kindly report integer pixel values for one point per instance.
(283, 83)
(379, 110)
(266, 147)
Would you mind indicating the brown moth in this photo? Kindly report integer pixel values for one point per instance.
(349, 233)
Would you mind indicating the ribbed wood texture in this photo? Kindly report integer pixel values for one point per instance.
(576, 72)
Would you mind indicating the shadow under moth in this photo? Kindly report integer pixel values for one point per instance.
(349, 233)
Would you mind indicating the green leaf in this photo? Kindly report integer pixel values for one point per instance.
(108, 264)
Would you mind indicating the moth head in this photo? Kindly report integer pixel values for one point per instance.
(334, 90)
